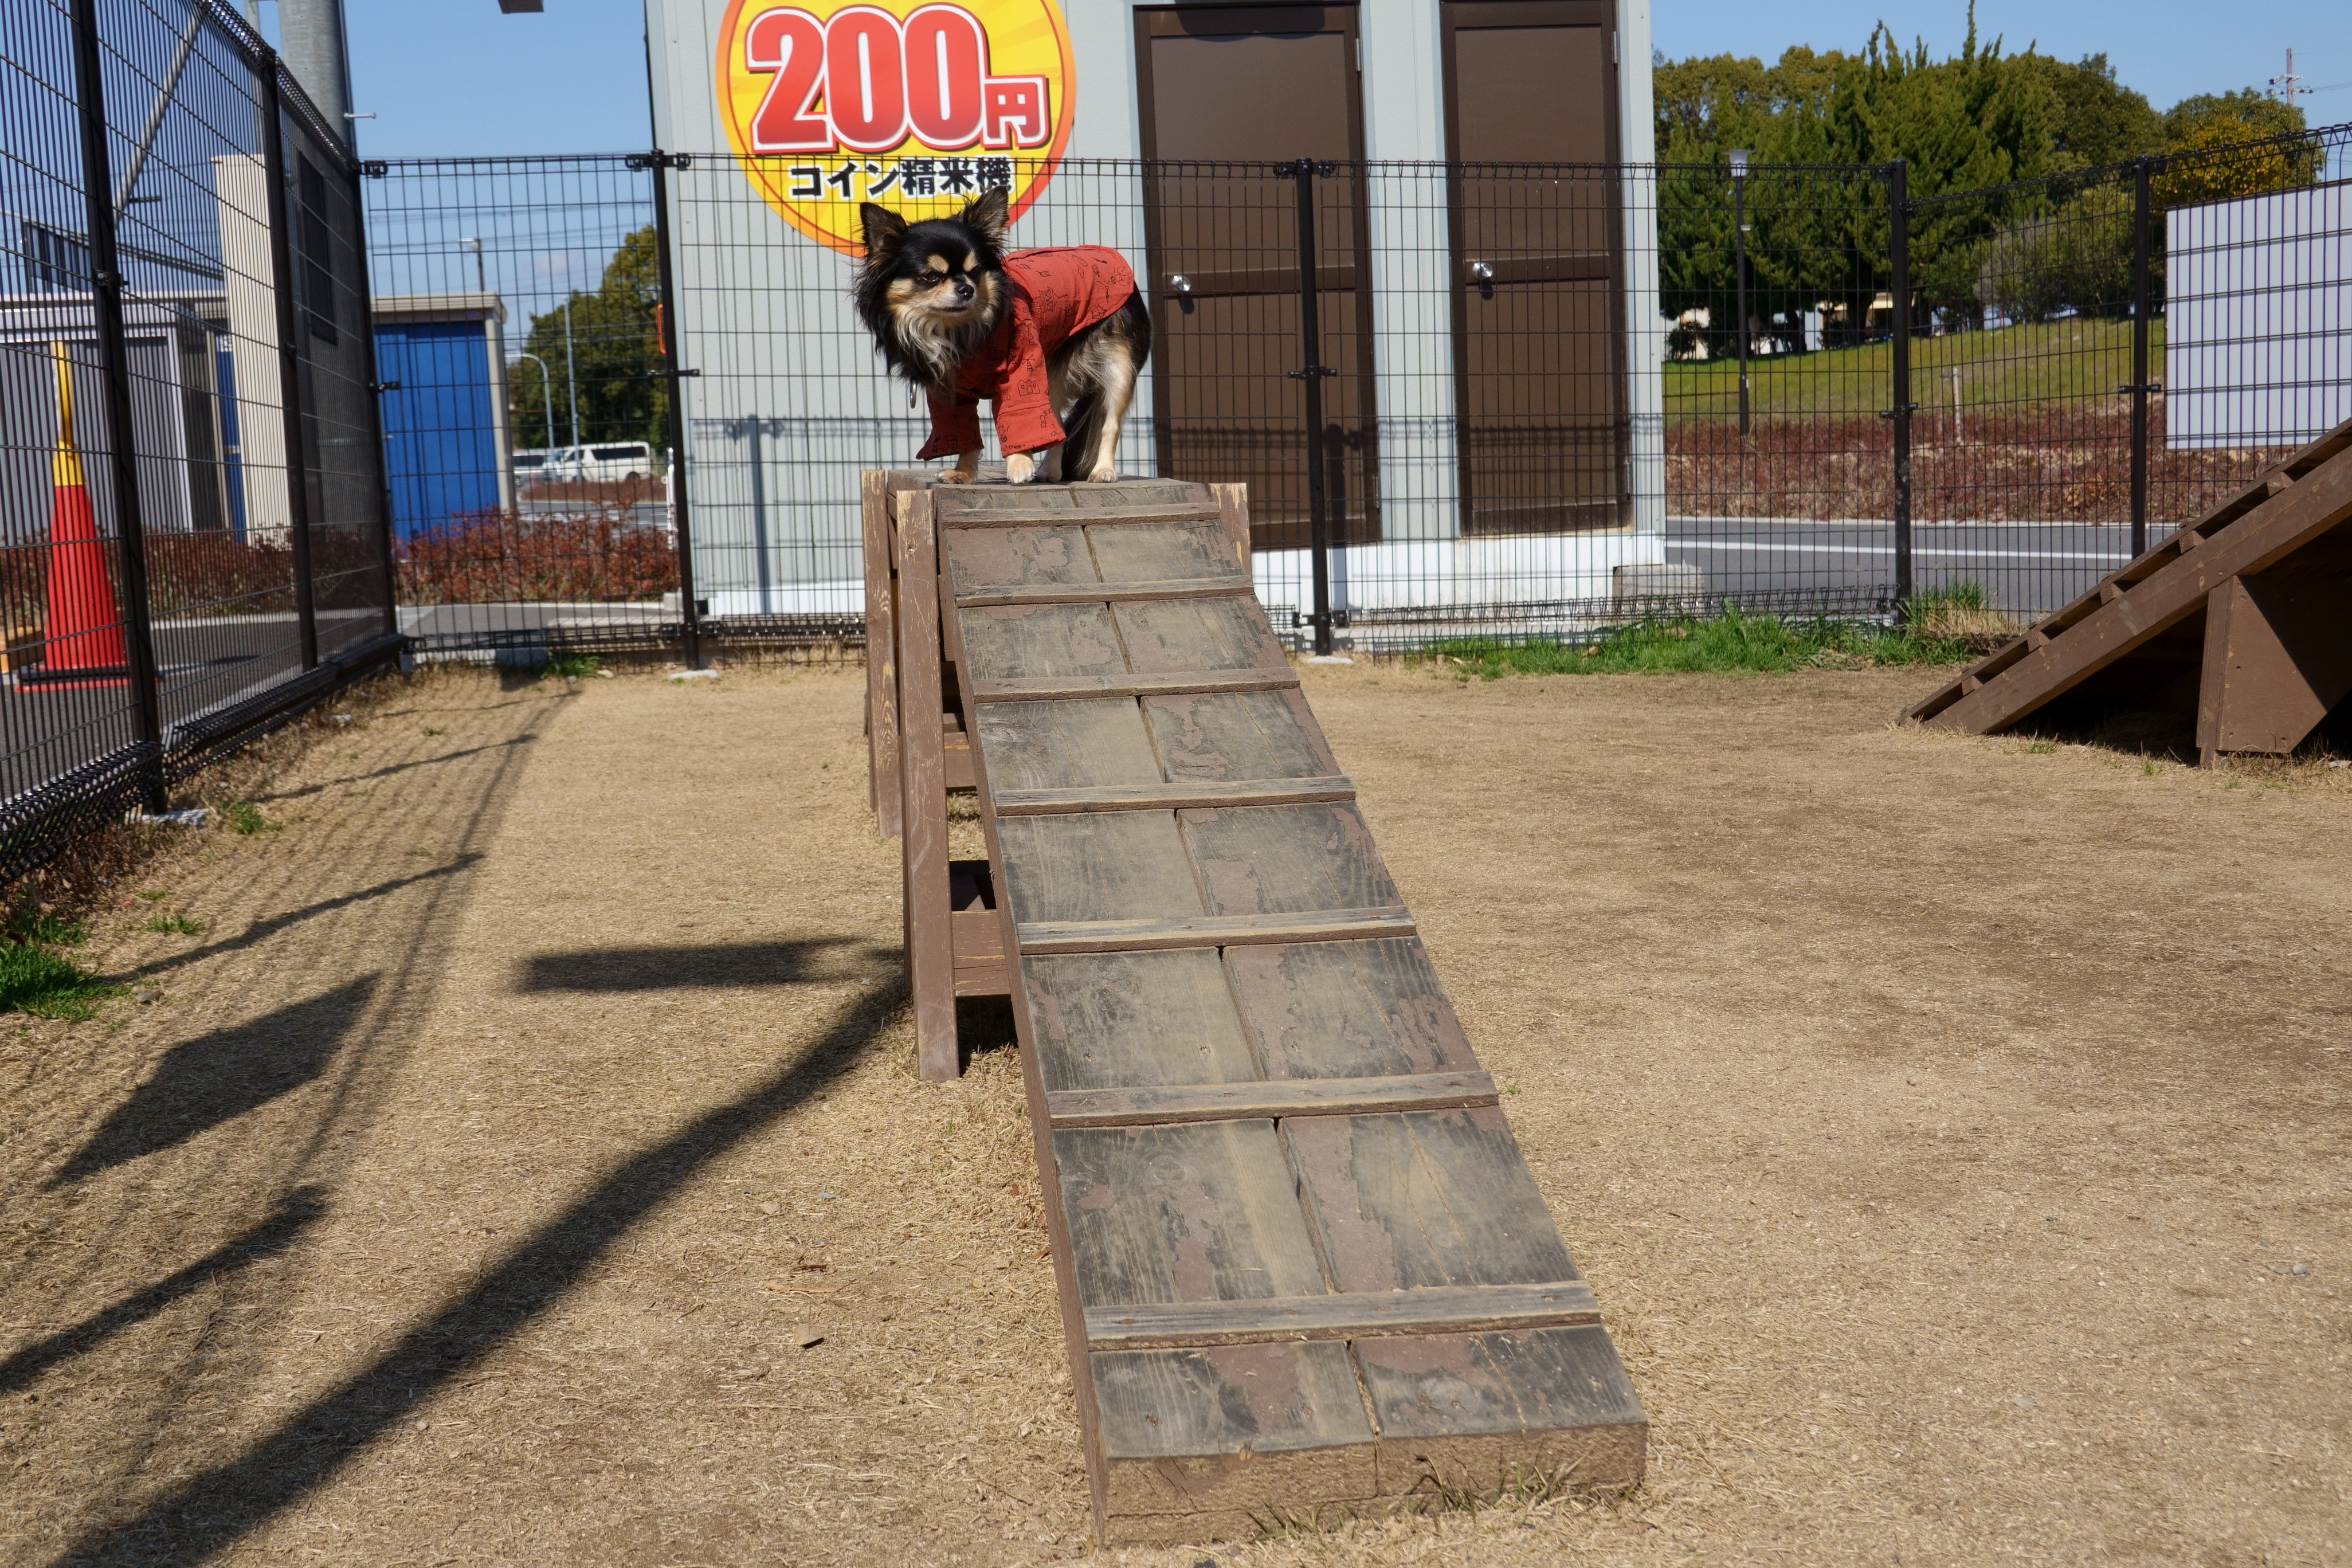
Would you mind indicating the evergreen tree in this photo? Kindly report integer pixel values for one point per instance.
(612, 335)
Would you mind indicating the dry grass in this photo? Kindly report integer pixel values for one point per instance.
(1940, 1121)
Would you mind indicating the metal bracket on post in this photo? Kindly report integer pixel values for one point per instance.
(1898, 247)
(689, 607)
(114, 364)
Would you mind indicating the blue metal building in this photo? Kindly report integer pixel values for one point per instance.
(447, 452)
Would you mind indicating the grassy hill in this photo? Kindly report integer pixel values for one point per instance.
(2003, 369)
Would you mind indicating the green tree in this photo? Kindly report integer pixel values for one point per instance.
(614, 337)
(2206, 137)
(2092, 118)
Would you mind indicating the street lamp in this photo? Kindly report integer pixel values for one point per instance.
(546, 397)
(1740, 270)
(481, 278)
(572, 380)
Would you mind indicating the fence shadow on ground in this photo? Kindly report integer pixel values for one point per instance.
(207, 1513)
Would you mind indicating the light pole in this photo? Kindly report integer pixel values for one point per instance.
(481, 278)
(1740, 270)
(572, 380)
(546, 397)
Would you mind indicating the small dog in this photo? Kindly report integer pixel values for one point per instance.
(1053, 339)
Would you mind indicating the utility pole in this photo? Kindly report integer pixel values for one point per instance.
(311, 42)
(1739, 269)
(2289, 84)
(572, 380)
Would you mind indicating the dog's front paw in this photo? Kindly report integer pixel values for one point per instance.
(1103, 475)
(1020, 467)
(954, 477)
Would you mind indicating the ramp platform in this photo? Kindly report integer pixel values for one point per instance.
(2241, 612)
(1303, 1266)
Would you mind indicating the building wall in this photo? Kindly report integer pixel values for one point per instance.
(2258, 319)
(791, 403)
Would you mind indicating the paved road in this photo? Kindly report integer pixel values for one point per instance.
(2026, 568)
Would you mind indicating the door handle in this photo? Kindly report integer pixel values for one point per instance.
(1481, 273)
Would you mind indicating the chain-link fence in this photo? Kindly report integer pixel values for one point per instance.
(193, 544)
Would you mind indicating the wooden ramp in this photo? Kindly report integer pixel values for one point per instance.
(1303, 1265)
(2243, 611)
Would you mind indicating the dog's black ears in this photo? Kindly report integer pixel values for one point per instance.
(882, 227)
(987, 214)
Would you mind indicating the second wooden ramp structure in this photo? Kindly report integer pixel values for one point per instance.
(1303, 1265)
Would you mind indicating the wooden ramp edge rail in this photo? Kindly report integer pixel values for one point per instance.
(2246, 606)
(1303, 1266)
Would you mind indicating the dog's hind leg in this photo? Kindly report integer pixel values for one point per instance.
(1109, 401)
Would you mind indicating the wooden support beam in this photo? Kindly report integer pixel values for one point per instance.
(881, 650)
(1076, 517)
(1213, 931)
(1174, 796)
(2276, 660)
(931, 943)
(1438, 1310)
(1045, 688)
(1103, 593)
(1159, 1104)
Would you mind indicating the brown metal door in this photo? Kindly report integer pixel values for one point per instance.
(1538, 265)
(1225, 93)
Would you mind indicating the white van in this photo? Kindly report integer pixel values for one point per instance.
(606, 462)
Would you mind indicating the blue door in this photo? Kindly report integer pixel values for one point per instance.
(440, 429)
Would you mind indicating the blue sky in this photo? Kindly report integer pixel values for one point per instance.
(454, 76)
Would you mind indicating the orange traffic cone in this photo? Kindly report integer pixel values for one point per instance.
(84, 635)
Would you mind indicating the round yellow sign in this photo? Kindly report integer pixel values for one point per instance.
(917, 105)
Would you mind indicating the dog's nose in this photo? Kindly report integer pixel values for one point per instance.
(963, 289)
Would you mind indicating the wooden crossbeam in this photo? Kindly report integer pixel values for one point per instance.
(1213, 931)
(1159, 1104)
(954, 516)
(1047, 688)
(1437, 1310)
(1103, 593)
(1182, 795)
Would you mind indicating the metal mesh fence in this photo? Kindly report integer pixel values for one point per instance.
(194, 542)
(1508, 400)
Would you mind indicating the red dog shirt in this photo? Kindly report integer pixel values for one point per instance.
(1055, 292)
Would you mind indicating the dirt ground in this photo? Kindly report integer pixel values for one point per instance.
(1951, 1129)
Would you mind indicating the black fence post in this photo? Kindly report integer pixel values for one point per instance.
(672, 377)
(114, 365)
(1310, 336)
(376, 389)
(1898, 256)
(2143, 306)
(289, 359)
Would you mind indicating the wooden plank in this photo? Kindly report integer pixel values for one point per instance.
(1286, 860)
(1109, 495)
(1092, 866)
(1200, 1212)
(1040, 643)
(1342, 1009)
(1121, 1020)
(1170, 635)
(1012, 557)
(1159, 1104)
(1173, 796)
(2276, 659)
(1425, 1198)
(1209, 931)
(1339, 1315)
(1105, 593)
(2273, 531)
(1238, 735)
(931, 945)
(1193, 551)
(1483, 1411)
(1030, 517)
(881, 650)
(1233, 509)
(1202, 1443)
(1040, 688)
(1096, 742)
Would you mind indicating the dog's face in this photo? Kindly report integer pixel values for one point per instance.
(936, 276)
